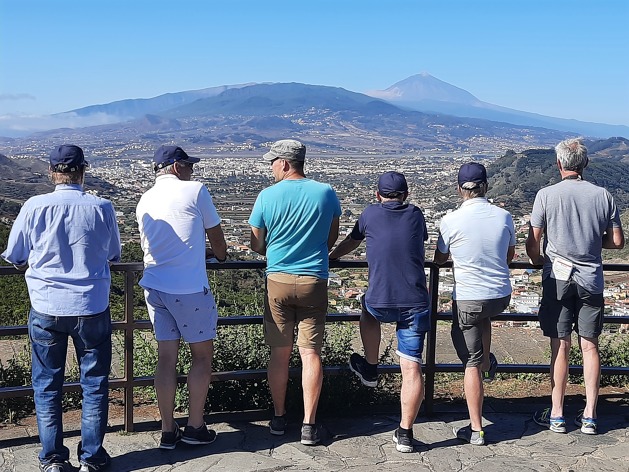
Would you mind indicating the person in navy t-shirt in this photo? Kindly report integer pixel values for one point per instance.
(395, 232)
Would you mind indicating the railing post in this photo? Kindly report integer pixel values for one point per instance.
(129, 282)
(431, 345)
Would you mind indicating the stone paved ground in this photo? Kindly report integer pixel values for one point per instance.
(515, 443)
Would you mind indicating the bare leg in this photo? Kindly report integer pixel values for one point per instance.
(474, 394)
(412, 392)
(370, 335)
(560, 351)
(199, 379)
(311, 381)
(277, 375)
(166, 381)
(591, 374)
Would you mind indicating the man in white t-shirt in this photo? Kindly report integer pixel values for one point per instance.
(480, 237)
(174, 217)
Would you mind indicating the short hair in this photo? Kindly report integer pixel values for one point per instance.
(65, 178)
(479, 190)
(393, 195)
(296, 165)
(572, 154)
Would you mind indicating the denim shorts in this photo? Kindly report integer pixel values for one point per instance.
(411, 326)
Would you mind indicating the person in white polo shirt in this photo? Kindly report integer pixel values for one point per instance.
(481, 239)
(174, 218)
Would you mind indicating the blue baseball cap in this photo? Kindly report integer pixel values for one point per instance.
(67, 158)
(472, 172)
(392, 182)
(167, 155)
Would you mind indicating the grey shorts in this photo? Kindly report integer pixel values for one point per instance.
(566, 306)
(191, 316)
(470, 319)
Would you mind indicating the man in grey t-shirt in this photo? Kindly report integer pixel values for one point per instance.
(578, 219)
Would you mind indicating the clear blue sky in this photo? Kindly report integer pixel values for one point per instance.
(564, 58)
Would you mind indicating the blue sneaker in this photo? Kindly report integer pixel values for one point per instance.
(490, 375)
(543, 418)
(587, 425)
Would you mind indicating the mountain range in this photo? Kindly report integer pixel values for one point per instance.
(421, 108)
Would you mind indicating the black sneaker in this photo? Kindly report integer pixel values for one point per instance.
(367, 373)
(170, 439)
(200, 435)
(310, 435)
(490, 375)
(277, 425)
(403, 442)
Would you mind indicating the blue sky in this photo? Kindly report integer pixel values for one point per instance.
(563, 58)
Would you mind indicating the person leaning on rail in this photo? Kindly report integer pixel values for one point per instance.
(480, 237)
(65, 240)
(174, 217)
(578, 219)
(294, 223)
(395, 232)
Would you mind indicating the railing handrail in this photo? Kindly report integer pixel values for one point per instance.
(129, 325)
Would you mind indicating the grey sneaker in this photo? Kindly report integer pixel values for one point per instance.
(543, 418)
(477, 438)
(198, 436)
(54, 467)
(277, 425)
(170, 439)
(310, 435)
(367, 373)
(587, 425)
(403, 442)
(94, 468)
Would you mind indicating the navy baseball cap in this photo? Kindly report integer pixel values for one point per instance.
(167, 155)
(392, 182)
(472, 172)
(67, 158)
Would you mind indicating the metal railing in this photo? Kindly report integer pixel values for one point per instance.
(129, 325)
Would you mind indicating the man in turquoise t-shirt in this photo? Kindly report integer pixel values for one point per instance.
(295, 223)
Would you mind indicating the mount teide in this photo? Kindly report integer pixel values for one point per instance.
(426, 93)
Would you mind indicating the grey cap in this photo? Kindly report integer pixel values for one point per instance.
(289, 149)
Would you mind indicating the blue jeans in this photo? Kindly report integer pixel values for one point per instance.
(49, 342)
(411, 327)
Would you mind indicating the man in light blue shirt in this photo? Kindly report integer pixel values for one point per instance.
(65, 240)
(481, 239)
(295, 223)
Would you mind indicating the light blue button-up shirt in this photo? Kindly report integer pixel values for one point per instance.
(67, 238)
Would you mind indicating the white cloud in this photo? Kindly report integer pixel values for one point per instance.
(21, 125)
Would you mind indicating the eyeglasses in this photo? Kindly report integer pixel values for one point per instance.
(273, 160)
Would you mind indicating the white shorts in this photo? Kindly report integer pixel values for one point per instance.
(191, 316)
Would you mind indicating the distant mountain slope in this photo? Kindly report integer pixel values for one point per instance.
(136, 108)
(24, 178)
(425, 93)
(515, 178)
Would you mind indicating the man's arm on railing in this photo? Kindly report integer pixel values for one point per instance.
(217, 242)
(333, 235)
(614, 238)
(258, 240)
(533, 242)
(440, 257)
(345, 247)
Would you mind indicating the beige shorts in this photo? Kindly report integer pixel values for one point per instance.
(295, 300)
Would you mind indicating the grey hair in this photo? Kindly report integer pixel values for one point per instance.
(169, 169)
(476, 190)
(572, 154)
